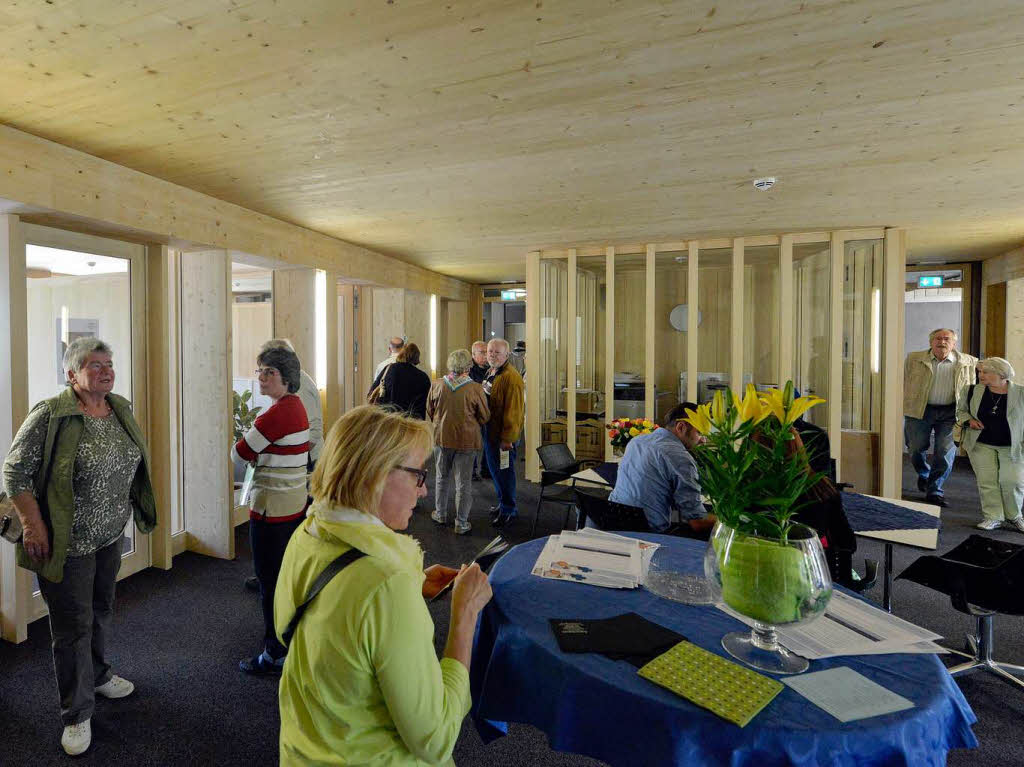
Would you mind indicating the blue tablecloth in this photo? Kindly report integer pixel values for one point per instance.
(589, 704)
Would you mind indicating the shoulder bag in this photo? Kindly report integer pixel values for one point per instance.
(322, 580)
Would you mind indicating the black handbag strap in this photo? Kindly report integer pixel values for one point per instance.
(322, 580)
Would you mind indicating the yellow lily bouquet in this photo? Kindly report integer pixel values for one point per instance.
(747, 466)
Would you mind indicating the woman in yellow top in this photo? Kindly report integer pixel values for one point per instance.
(362, 683)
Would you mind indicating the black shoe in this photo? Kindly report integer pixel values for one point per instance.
(503, 520)
(494, 512)
(937, 500)
(922, 484)
(260, 666)
(477, 477)
(252, 583)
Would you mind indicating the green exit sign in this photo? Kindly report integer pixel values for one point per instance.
(930, 281)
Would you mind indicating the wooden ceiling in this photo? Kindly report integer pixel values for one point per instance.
(458, 135)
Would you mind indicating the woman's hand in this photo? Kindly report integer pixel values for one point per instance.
(437, 577)
(471, 592)
(976, 424)
(35, 536)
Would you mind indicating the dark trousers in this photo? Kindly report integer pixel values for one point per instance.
(504, 479)
(269, 540)
(81, 611)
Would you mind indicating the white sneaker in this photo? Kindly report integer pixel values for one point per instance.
(115, 687)
(436, 516)
(76, 738)
(1017, 522)
(988, 524)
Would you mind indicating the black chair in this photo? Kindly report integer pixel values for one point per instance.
(557, 465)
(609, 515)
(982, 577)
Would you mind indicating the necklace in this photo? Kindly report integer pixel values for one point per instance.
(996, 400)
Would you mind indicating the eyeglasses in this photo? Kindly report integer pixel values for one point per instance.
(265, 372)
(421, 474)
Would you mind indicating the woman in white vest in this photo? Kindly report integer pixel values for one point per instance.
(992, 413)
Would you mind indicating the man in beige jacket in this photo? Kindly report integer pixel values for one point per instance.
(931, 381)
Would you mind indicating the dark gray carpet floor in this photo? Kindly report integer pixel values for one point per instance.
(180, 633)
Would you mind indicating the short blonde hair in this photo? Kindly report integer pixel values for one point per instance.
(362, 448)
(459, 361)
(997, 365)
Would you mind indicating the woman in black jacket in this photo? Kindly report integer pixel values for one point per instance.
(405, 385)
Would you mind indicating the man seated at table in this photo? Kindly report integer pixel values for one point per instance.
(658, 475)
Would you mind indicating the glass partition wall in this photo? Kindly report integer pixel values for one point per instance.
(779, 327)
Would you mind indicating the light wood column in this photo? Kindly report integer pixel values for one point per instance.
(346, 353)
(206, 434)
(333, 384)
(15, 587)
(609, 344)
(835, 351)
(649, 350)
(294, 295)
(364, 337)
(570, 343)
(890, 438)
(475, 310)
(736, 320)
(787, 330)
(164, 383)
(692, 320)
(533, 299)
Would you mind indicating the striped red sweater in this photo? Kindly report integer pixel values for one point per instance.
(278, 443)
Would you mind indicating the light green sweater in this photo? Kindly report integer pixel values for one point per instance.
(362, 684)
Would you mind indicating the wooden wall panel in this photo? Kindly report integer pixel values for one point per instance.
(252, 325)
(295, 312)
(206, 429)
(416, 313)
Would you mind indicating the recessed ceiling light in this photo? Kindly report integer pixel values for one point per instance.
(765, 183)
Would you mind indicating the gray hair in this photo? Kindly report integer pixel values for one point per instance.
(277, 343)
(997, 365)
(80, 349)
(459, 361)
(942, 330)
(286, 363)
(508, 348)
(478, 343)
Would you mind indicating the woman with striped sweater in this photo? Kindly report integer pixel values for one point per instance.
(278, 445)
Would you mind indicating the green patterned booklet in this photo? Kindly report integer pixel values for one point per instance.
(712, 682)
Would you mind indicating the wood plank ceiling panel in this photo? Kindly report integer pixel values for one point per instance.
(459, 135)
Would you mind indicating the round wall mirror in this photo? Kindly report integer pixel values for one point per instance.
(677, 317)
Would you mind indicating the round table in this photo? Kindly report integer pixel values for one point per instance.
(592, 705)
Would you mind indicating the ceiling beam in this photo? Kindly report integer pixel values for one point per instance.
(58, 186)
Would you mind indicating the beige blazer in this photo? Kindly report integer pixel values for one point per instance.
(1014, 415)
(917, 379)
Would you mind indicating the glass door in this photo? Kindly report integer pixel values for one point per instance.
(78, 286)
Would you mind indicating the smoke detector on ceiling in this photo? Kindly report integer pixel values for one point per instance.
(764, 184)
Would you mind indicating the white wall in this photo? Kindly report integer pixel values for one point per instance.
(102, 297)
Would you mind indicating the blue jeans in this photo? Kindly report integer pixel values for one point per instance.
(504, 479)
(918, 432)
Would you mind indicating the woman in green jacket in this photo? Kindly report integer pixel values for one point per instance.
(362, 683)
(77, 471)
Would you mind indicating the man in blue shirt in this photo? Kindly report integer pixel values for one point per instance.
(659, 475)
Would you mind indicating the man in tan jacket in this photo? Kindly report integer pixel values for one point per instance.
(504, 387)
(932, 380)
